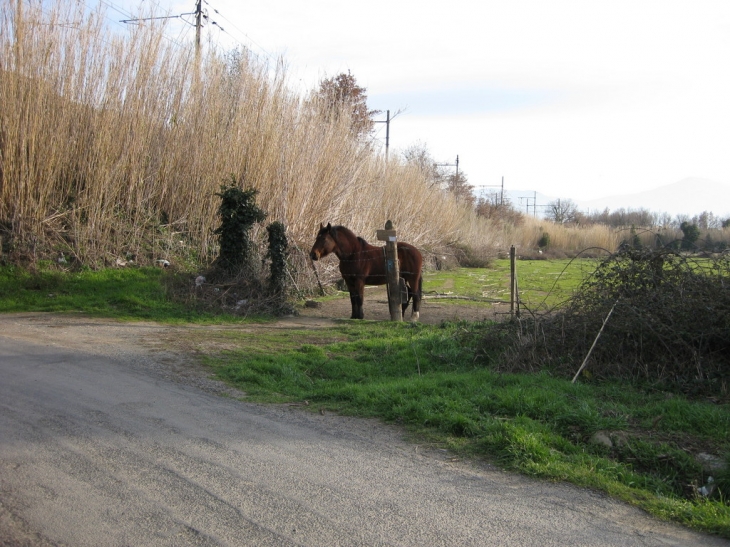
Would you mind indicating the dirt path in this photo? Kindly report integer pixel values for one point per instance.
(434, 309)
(107, 437)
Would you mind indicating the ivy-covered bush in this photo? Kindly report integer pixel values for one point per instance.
(278, 253)
(238, 213)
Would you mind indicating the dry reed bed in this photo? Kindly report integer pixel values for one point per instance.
(106, 138)
(116, 145)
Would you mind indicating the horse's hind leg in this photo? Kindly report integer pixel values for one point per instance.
(417, 293)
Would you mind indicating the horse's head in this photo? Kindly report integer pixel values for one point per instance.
(325, 242)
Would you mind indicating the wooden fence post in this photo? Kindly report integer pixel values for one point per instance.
(391, 270)
(512, 280)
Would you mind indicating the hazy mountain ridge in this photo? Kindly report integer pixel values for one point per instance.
(689, 196)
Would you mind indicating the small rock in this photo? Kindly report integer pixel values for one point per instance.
(610, 439)
(163, 263)
(601, 437)
(708, 489)
(199, 281)
(711, 463)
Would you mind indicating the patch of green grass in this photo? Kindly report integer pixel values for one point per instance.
(542, 284)
(426, 378)
(120, 293)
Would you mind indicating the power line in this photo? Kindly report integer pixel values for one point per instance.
(387, 121)
(199, 16)
(242, 33)
(501, 194)
(450, 165)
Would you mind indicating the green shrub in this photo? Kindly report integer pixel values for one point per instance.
(238, 213)
(544, 240)
(278, 253)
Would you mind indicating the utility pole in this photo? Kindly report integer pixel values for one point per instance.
(387, 131)
(501, 195)
(198, 13)
(198, 25)
(387, 134)
(534, 203)
(450, 165)
(456, 178)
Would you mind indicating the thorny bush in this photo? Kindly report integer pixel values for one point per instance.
(670, 324)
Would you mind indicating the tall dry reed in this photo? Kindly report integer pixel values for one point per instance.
(116, 145)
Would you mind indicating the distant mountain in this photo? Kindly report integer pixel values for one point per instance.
(690, 196)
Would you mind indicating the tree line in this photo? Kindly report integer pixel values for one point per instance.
(342, 93)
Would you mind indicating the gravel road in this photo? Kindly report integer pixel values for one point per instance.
(108, 438)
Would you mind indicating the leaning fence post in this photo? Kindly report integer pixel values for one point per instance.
(603, 326)
(391, 270)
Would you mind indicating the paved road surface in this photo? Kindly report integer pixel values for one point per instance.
(101, 443)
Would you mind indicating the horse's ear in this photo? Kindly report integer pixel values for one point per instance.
(321, 226)
(329, 225)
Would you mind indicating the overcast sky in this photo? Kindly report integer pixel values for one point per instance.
(577, 99)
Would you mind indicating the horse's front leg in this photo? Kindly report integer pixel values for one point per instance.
(357, 293)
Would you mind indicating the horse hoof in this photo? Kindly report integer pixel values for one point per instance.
(414, 317)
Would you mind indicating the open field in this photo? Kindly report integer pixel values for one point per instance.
(543, 284)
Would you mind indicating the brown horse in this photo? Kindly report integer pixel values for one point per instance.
(364, 264)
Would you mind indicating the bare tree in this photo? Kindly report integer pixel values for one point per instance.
(419, 156)
(562, 211)
(440, 175)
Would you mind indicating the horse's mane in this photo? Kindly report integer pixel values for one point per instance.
(346, 231)
(349, 233)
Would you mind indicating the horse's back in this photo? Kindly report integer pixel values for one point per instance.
(368, 263)
(411, 261)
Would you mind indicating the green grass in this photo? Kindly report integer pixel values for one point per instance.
(426, 378)
(542, 284)
(127, 294)
(436, 382)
